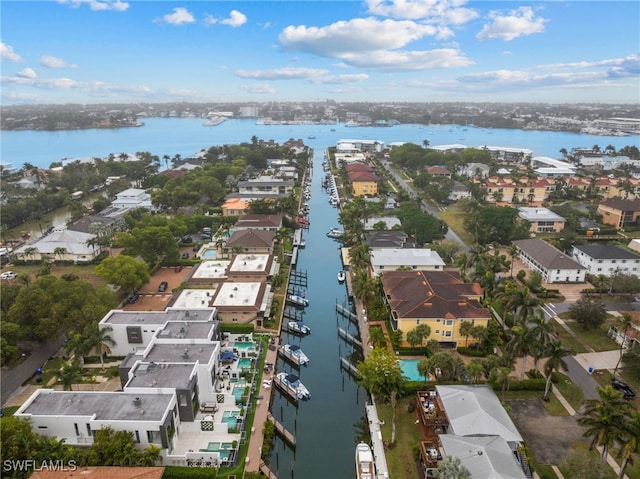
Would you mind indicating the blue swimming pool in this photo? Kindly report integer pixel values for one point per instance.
(209, 254)
(409, 369)
(244, 363)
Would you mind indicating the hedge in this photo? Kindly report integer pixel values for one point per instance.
(176, 472)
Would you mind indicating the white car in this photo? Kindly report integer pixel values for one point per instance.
(8, 275)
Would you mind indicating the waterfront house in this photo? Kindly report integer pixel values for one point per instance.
(247, 267)
(389, 222)
(392, 259)
(378, 239)
(242, 302)
(542, 220)
(133, 198)
(619, 213)
(270, 186)
(61, 244)
(553, 264)
(439, 299)
(607, 260)
(254, 241)
(235, 207)
(258, 222)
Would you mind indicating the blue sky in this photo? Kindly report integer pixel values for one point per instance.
(107, 51)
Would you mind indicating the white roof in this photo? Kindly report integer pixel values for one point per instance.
(538, 214)
(405, 256)
(474, 410)
(486, 457)
(390, 221)
(74, 242)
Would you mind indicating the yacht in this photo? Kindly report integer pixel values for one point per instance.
(291, 383)
(365, 467)
(297, 327)
(298, 300)
(341, 276)
(335, 233)
(293, 353)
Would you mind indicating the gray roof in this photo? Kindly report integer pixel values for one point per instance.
(181, 353)
(106, 406)
(607, 252)
(485, 457)
(161, 375)
(546, 255)
(187, 330)
(476, 410)
(116, 316)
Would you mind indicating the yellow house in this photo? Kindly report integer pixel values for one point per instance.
(364, 183)
(531, 191)
(439, 299)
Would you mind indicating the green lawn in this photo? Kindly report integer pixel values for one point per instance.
(401, 458)
(571, 392)
(596, 338)
(84, 272)
(455, 221)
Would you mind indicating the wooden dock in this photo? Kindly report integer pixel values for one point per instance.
(282, 432)
(352, 339)
(264, 469)
(349, 367)
(346, 312)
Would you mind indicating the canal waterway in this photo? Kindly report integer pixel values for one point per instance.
(329, 425)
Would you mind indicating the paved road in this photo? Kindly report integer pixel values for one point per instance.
(451, 235)
(12, 379)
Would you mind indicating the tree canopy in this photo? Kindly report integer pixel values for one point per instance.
(124, 271)
(380, 374)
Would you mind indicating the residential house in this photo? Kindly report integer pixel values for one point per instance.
(439, 299)
(61, 244)
(439, 172)
(258, 222)
(524, 190)
(553, 264)
(392, 259)
(252, 267)
(242, 302)
(388, 239)
(235, 207)
(133, 198)
(475, 170)
(390, 222)
(619, 213)
(607, 260)
(268, 186)
(363, 183)
(253, 241)
(542, 220)
(459, 192)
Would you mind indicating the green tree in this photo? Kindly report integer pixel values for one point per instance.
(100, 339)
(451, 468)
(465, 331)
(70, 374)
(556, 354)
(588, 312)
(605, 419)
(630, 443)
(123, 271)
(380, 374)
(151, 243)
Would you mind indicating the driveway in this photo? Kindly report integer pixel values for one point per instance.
(548, 437)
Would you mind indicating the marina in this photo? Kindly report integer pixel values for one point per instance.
(294, 354)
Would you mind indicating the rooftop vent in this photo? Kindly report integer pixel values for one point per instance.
(137, 401)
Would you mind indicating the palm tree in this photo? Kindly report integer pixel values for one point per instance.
(605, 419)
(78, 346)
(521, 303)
(627, 323)
(540, 335)
(100, 339)
(465, 331)
(451, 468)
(30, 252)
(475, 369)
(630, 443)
(360, 256)
(513, 251)
(60, 251)
(70, 374)
(519, 344)
(364, 287)
(554, 362)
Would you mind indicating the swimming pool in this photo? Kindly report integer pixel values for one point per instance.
(409, 369)
(244, 363)
(231, 418)
(244, 345)
(209, 254)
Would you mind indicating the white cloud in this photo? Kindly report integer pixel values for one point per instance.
(178, 17)
(340, 79)
(287, 73)
(261, 88)
(98, 5)
(444, 12)
(7, 53)
(517, 23)
(55, 62)
(357, 35)
(235, 19)
(630, 64)
(27, 73)
(408, 60)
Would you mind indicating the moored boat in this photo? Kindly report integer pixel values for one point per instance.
(365, 466)
(335, 233)
(292, 385)
(298, 300)
(298, 327)
(341, 276)
(293, 353)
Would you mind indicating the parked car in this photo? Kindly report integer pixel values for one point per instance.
(187, 239)
(163, 287)
(8, 275)
(185, 255)
(133, 298)
(624, 388)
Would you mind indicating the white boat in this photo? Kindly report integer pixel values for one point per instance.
(365, 466)
(335, 233)
(298, 300)
(293, 353)
(341, 276)
(291, 383)
(298, 327)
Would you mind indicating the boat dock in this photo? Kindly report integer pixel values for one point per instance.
(264, 469)
(349, 367)
(382, 471)
(350, 338)
(282, 431)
